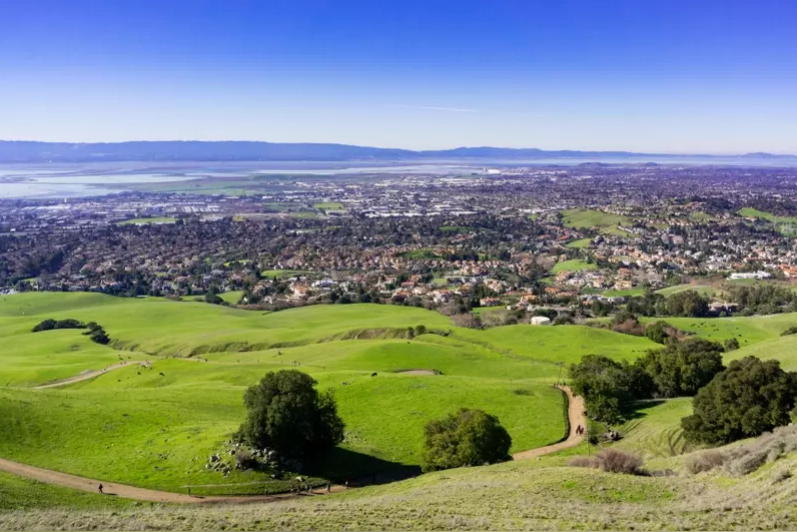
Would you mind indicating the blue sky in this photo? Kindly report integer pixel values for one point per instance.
(645, 75)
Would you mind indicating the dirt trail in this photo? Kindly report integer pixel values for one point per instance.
(575, 412)
(142, 494)
(87, 375)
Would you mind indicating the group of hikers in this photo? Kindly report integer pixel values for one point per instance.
(580, 431)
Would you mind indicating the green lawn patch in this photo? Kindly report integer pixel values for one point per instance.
(573, 265)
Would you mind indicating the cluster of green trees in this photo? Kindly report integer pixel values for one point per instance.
(286, 413)
(761, 298)
(688, 304)
(678, 369)
(95, 331)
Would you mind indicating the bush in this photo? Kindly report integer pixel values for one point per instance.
(658, 332)
(768, 448)
(731, 344)
(287, 414)
(611, 461)
(747, 399)
(50, 324)
(470, 321)
(467, 438)
(682, 368)
(791, 330)
(705, 461)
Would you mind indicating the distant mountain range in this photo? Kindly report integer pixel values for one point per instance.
(35, 152)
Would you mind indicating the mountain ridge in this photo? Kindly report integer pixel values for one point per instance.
(20, 151)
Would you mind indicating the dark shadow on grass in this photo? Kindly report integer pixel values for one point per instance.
(637, 410)
(358, 469)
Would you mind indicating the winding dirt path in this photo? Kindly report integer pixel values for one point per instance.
(87, 375)
(575, 413)
(142, 494)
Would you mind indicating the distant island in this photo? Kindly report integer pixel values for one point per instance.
(35, 152)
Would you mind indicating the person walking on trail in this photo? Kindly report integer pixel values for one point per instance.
(189, 491)
(329, 487)
(100, 489)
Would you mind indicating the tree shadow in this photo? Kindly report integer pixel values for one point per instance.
(638, 409)
(343, 465)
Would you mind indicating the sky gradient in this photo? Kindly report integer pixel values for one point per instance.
(643, 75)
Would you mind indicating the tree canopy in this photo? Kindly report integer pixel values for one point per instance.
(682, 368)
(467, 438)
(747, 399)
(286, 413)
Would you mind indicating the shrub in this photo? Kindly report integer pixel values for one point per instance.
(611, 461)
(779, 475)
(658, 332)
(50, 324)
(768, 448)
(731, 344)
(470, 321)
(791, 330)
(705, 461)
(287, 414)
(747, 399)
(467, 438)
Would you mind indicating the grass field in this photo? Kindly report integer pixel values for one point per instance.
(632, 292)
(531, 495)
(702, 289)
(580, 244)
(329, 206)
(232, 297)
(755, 213)
(573, 265)
(22, 494)
(588, 218)
(155, 427)
(283, 274)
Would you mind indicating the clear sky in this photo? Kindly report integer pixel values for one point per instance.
(644, 75)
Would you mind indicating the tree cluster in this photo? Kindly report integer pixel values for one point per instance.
(679, 369)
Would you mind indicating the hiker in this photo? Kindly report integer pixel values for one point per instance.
(189, 491)
(100, 488)
(329, 487)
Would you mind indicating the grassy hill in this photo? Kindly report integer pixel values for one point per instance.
(531, 495)
(155, 426)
